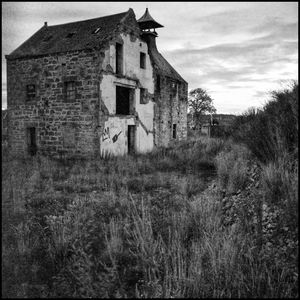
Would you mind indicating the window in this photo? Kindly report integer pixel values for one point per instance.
(174, 131)
(31, 140)
(30, 92)
(119, 58)
(158, 83)
(70, 91)
(96, 30)
(69, 35)
(142, 60)
(124, 100)
(143, 99)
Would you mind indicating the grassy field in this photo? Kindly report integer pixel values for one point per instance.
(194, 220)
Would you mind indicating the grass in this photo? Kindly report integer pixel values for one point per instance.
(143, 226)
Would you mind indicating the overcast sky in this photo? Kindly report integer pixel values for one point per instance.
(237, 51)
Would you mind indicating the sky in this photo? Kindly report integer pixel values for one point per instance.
(237, 51)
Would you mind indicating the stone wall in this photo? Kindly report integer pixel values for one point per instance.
(61, 126)
(171, 108)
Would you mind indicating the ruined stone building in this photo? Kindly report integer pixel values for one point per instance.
(94, 86)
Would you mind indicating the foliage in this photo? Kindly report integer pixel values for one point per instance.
(200, 103)
(272, 131)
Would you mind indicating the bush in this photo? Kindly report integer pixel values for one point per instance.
(272, 131)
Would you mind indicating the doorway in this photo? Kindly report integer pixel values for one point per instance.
(131, 139)
(124, 101)
(31, 140)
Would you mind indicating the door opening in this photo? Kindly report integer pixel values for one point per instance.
(124, 100)
(31, 138)
(131, 139)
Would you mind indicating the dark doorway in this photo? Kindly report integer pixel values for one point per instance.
(131, 139)
(123, 101)
(31, 138)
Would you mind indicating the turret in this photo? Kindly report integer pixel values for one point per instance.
(147, 25)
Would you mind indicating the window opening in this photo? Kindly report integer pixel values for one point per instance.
(143, 99)
(119, 58)
(30, 91)
(69, 35)
(124, 101)
(70, 91)
(31, 138)
(174, 131)
(142, 60)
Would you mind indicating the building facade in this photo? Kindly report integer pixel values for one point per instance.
(93, 87)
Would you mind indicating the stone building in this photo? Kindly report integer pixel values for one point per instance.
(92, 87)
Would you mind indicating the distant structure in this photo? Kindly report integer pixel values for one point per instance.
(211, 124)
(92, 87)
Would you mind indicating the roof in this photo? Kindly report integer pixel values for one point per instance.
(146, 21)
(159, 62)
(70, 36)
(164, 67)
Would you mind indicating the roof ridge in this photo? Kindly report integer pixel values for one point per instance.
(93, 19)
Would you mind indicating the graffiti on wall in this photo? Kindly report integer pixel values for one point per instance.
(106, 135)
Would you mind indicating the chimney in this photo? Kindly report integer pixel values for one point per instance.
(45, 24)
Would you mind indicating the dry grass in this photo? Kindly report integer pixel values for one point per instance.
(143, 226)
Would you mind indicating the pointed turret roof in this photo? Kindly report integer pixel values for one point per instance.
(147, 22)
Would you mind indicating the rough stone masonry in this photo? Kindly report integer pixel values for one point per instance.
(92, 87)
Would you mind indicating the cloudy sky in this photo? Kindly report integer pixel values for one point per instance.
(237, 51)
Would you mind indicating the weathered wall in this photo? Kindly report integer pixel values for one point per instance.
(61, 126)
(171, 108)
(135, 78)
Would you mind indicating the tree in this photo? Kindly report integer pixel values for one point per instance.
(200, 103)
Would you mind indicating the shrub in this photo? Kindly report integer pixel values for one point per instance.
(273, 130)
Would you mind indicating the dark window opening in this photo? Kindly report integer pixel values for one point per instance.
(158, 83)
(30, 91)
(143, 99)
(174, 131)
(119, 58)
(69, 35)
(131, 139)
(142, 60)
(124, 101)
(70, 91)
(31, 139)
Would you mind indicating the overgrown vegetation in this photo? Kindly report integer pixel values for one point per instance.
(204, 218)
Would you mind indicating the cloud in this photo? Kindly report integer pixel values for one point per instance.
(235, 50)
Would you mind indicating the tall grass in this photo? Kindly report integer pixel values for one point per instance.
(143, 226)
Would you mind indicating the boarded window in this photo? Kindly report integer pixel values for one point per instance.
(30, 92)
(143, 96)
(70, 91)
(124, 101)
(142, 60)
(119, 58)
(69, 136)
(174, 131)
(31, 140)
